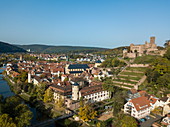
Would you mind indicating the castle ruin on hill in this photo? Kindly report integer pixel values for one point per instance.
(139, 50)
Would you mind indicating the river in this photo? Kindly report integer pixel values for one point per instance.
(6, 92)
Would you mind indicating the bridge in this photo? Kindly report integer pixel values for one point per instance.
(46, 123)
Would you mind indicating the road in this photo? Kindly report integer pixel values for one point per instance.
(149, 122)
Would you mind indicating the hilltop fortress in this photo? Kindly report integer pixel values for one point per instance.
(139, 50)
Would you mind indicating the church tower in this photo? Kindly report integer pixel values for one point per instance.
(75, 91)
(20, 58)
(29, 77)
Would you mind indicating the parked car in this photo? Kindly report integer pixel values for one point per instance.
(142, 120)
(148, 117)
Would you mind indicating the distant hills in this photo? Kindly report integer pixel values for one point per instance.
(8, 48)
(114, 51)
(59, 49)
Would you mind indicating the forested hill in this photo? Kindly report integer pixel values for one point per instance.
(115, 51)
(8, 48)
(59, 49)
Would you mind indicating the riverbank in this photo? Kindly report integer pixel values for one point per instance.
(42, 111)
(6, 89)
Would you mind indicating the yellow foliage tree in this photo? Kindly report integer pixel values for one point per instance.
(48, 96)
(59, 103)
(6, 121)
(87, 113)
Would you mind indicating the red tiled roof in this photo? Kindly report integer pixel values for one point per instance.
(141, 103)
(153, 100)
(90, 90)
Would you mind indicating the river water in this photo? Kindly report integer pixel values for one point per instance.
(4, 87)
(6, 92)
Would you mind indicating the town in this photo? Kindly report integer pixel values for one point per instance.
(95, 89)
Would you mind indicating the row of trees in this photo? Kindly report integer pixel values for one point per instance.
(113, 62)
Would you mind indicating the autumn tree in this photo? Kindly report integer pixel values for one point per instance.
(60, 102)
(6, 121)
(48, 96)
(87, 113)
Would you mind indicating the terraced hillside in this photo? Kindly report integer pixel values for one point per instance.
(130, 77)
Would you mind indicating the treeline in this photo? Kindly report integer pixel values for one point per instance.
(8, 48)
(60, 49)
(113, 62)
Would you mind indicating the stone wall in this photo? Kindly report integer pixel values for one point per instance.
(139, 65)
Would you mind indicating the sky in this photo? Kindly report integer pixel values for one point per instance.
(94, 23)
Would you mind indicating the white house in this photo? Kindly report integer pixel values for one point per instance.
(138, 107)
(94, 93)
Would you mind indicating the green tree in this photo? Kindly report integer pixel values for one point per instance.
(22, 115)
(161, 65)
(124, 120)
(87, 113)
(118, 101)
(164, 80)
(10, 104)
(1, 104)
(152, 75)
(23, 76)
(108, 85)
(40, 90)
(167, 54)
(6, 121)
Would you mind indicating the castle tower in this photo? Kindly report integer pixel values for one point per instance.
(29, 77)
(152, 40)
(75, 91)
(125, 51)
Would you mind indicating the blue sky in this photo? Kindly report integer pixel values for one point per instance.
(99, 23)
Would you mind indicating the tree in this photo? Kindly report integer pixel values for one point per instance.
(40, 90)
(108, 85)
(161, 65)
(48, 96)
(167, 43)
(87, 113)
(23, 76)
(164, 80)
(167, 54)
(67, 122)
(124, 120)
(152, 75)
(157, 111)
(22, 115)
(81, 103)
(118, 101)
(10, 104)
(1, 104)
(6, 121)
(60, 102)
